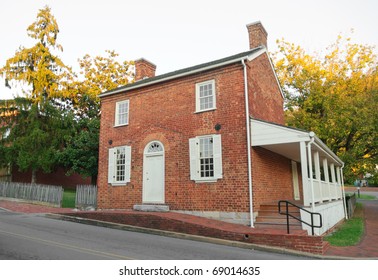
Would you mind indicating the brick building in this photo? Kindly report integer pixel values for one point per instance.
(183, 141)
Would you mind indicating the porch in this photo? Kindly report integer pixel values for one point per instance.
(321, 170)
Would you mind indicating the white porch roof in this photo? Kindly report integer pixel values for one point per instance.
(286, 141)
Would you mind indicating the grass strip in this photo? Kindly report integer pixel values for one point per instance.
(69, 197)
(350, 232)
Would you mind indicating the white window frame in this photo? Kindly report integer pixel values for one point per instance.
(199, 98)
(113, 165)
(117, 113)
(195, 159)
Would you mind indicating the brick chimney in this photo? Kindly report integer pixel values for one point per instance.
(257, 35)
(144, 69)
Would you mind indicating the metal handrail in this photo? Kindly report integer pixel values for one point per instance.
(301, 208)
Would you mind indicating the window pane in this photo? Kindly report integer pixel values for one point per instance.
(120, 165)
(122, 113)
(206, 96)
(206, 157)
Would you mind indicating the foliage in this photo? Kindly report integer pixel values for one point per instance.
(104, 73)
(80, 154)
(336, 96)
(100, 74)
(42, 73)
(36, 134)
(58, 122)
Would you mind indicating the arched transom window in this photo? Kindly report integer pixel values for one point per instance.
(155, 147)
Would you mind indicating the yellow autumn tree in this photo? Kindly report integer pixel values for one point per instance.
(334, 94)
(97, 75)
(41, 72)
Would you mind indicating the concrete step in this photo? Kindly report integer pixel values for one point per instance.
(274, 207)
(151, 207)
(277, 219)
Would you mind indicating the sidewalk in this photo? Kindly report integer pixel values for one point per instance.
(367, 248)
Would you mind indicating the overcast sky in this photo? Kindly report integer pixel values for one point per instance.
(178, 34)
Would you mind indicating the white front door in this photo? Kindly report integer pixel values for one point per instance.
(295, 180)
(153, 173)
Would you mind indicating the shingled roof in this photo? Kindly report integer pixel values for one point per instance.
(185, 71)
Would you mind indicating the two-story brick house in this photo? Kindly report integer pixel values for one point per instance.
(183, 141)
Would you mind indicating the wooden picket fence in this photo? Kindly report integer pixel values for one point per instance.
(52, 195)
(86, 197)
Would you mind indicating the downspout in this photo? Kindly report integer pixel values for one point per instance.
(343, 191)
(248, 143)
(312, 139)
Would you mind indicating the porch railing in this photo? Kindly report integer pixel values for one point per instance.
(323, 191)
(287, 213)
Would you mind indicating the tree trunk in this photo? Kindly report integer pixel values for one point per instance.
(34, 176)
(94, 180)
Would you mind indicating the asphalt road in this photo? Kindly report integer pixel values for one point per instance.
(36, 237)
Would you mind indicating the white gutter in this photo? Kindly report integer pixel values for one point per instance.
(248, 143)
(312, 139)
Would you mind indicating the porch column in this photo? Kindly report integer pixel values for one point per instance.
(304, 169)
(310, 175)
(339, 184)
(338, 175)
(326, 178)
(333, 180)
(317, 175)
(333, 175)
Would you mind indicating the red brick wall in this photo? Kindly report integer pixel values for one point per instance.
(265, 99)
(167, 113)
(272, 177)
(310, 244)
(58, 177)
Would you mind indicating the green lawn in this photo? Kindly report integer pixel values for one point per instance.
(69, 197)
(362, 196)
(350, 233)
(366, 196)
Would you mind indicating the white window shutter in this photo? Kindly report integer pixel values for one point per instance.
(217, 150)
(127, 163)
(116, 120)
(111, 166)
(193, 156)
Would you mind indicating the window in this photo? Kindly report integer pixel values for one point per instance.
(205, 96)
(119, 165)
(122, 113)
(205, 158)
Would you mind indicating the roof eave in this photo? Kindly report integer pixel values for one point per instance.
(191, 72)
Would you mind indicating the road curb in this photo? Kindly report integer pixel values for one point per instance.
(178, 235)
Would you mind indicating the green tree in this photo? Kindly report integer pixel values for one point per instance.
(334, 95)
(80, 154)
(35, 136)
(58, 121)
(36, 123)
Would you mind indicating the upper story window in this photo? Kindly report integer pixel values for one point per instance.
(205, 96)
(122, 113)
